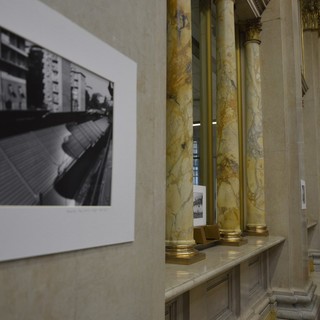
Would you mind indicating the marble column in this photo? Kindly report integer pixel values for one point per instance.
(228, 200)
(255, 187)
(179, 215)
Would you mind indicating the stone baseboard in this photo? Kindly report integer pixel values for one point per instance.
(291, 304)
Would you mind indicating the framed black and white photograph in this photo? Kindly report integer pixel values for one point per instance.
(67, 135)
(199, 206)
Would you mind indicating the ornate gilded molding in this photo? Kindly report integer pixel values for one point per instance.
(310, 14)
(253, 30)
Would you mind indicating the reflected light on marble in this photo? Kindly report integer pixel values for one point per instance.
(181, 273)
(232, 252)
(259, 242)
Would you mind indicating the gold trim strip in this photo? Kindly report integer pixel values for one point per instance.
(183, 254)
(257, 231)
(209, 120)
(232, 238)
(240, 123)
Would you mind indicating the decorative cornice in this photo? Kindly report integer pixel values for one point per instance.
(249, 9)
(310, 14)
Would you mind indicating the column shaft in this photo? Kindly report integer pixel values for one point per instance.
(228, 202)
(255, 187)
(179, 216)
(206, 140)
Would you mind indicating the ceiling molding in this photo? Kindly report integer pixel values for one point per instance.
(250, 9)
(258, 5)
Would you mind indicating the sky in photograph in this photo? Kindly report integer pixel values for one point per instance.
(97, 83)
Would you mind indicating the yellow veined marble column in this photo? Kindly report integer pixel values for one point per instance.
(179, 216)
(228, 201)
(256, 216)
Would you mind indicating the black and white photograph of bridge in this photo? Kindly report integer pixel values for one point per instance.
(55, 129)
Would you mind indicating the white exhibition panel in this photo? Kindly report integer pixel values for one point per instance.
(27, 231)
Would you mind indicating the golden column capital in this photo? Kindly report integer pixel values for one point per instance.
(253, 30)
(310, 14)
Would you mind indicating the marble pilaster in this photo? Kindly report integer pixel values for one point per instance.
(179, 212)
(228, 200)
(255, 186)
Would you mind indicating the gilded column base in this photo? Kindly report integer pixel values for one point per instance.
(183, 254)
(232, 238)
(257, 231)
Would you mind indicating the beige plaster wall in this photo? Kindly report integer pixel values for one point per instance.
(311, 116)
(121, 281)
(283, 140)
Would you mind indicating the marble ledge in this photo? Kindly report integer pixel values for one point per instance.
(182, 278)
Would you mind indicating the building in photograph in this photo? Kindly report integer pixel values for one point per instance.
(49, 81)
(13, 71)
(78, 89)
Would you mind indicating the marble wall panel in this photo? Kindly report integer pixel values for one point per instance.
(311, 132)
(217, 298)
(272, 95)
(283, 136)
(42, 289)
